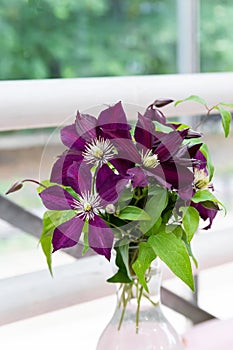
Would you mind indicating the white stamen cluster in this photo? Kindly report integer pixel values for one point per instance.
(99, 151)
(150, 160)
(88, 205)
(201, 179)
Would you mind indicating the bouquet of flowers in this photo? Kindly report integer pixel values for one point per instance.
(118, 186)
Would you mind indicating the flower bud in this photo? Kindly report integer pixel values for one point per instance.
(110, 209)
(15, 187)
(162, 102)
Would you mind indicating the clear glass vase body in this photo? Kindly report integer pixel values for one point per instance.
(144, 328)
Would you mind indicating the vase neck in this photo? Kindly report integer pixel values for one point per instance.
(153, 281)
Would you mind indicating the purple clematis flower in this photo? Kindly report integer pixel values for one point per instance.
(92, 138)
(88, 207)
(159, 155)
(202, 182)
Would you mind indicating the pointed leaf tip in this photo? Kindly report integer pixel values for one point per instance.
(174, 254)
(226, 119)
(194, 98)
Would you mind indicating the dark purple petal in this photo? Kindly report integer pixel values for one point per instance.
(158, 138)
(187, 162)
(127, 150)
(202, 160)
(205, 213)
(56, 198)
(109, 185)
(144, 131)
(186, 155)
(71, 139)
(193, 150)
(67, 234)
(158, 174)
(100, 237)
(169, 145)
(60, 167)
(176, 175)
(117, 132)
(113, 115)
(79, 177)
(122, 165)
(186, 193)
(192, 134)
(112, 123)
(85, 126)
(138, 177)
(183, 133)
(155, 115)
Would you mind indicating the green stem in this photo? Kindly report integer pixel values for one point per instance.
(206, 117)
(125, 302)
(94, 181)
(150, 300)
(138, 307)
(35, 182)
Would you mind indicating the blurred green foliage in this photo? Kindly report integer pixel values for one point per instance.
(81, 38)
(70, 38)
(216, 39)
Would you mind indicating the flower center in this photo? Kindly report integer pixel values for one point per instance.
(201, 180)
(99, 151)
(150, 160)
(87, 205)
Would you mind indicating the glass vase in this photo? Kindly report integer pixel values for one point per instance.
(138, 322)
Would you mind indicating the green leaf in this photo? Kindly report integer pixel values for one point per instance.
(226, 119)
(189, 249)
(162, 127)
(192, 98)
(133, 213)
(177, 230)
(226, 104)
(173, 252)
(126, 195)
(145, 256)
(190, 221)
(210, 205)
(46, 239)
(204, 149)
(122, 258)
(154, 208)
(182, 126)
(154, 229)
(204, 196)
(52, 219)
